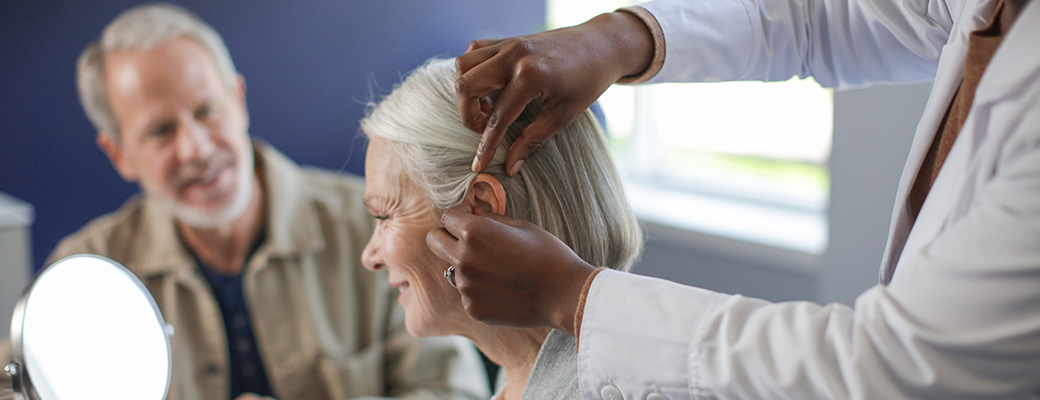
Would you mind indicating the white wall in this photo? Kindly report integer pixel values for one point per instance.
(873, 129)
(15, 219)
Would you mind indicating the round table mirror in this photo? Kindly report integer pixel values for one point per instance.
(86, 328)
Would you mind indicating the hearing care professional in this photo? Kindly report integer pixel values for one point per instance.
(957, 312)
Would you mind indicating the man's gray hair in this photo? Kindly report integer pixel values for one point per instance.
(142, 28)
(569, 187)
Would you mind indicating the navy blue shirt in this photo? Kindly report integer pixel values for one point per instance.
(247, 370)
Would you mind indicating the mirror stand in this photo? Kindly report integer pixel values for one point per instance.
(20, 384)
(16, 372)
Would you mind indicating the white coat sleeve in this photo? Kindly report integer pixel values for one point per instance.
(841, 43)
(960, 320)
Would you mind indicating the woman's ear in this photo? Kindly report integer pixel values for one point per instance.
(485, 191)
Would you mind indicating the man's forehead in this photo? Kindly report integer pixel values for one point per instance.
(178, 72)
(175, 59)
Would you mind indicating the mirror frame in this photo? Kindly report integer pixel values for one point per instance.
(16, 368)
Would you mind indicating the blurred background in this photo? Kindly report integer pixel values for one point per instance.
(778, 192)
(309, 67)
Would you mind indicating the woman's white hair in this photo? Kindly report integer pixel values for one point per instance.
(142, 28)
(569, 187)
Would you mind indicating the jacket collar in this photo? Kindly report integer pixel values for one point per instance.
(292, 228)
(1015, 60)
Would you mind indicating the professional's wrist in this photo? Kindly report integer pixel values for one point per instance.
(631, 42)
(560, 311)
(656, 42)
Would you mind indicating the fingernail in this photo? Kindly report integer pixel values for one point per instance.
(516, 167)
(476, 160)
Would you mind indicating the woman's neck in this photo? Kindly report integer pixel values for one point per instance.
(513, 349)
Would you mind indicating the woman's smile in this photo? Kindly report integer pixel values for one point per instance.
(402, 286)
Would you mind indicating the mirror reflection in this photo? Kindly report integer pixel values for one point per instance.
(91, 330)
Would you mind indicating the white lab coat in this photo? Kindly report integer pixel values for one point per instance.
(958, 313)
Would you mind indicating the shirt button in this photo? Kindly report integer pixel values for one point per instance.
(239, 322)
(248, 370)
(655, 396)
(212, 369)
(611, 393)
(243, 345)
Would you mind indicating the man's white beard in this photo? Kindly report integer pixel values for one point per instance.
(230, 212)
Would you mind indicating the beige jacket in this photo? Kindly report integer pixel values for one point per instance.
(326, 328)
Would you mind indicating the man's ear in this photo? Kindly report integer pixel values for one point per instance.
(485, 191)
(240, 94)
(114, 151)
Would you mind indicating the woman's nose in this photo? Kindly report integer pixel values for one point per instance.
(370, 256)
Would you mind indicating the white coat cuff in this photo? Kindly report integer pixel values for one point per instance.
(637, 337)
(705, 41)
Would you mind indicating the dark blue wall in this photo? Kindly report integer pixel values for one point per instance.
(308, 67)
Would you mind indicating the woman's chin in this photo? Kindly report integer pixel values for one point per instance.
(413, 331)
(426, 326)
(419, 329)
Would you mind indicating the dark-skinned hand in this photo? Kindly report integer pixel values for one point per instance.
(567, 69)
(510, 272)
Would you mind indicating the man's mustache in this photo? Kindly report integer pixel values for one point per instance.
(204, 170)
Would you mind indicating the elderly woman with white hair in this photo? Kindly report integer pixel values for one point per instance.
(418, 166)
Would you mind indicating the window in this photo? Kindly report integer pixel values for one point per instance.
(744, 160)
